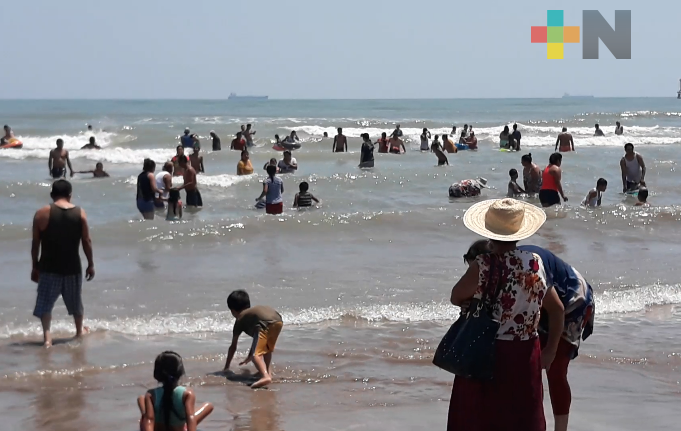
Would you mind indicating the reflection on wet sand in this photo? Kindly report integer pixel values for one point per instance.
(60, 401)
(262, 414)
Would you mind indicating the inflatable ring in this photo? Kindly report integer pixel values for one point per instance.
(13, 143)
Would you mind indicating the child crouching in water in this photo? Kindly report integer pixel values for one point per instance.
(174, 205)
(170, 407)
(260, 322)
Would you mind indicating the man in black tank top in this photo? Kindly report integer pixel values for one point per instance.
(58, 231)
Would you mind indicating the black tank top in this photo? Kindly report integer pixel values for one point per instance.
(60, 242)
(144, 190)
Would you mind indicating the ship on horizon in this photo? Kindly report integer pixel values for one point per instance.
(569, 96)
(233, 96)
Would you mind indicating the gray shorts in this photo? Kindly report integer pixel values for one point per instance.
(51, 286)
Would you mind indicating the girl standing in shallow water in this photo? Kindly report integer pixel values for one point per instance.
(170, 407)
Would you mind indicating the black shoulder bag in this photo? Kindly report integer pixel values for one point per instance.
(468, 348)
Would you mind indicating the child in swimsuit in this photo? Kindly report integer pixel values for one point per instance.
(174, 206)
(170, 407)
(513, 187)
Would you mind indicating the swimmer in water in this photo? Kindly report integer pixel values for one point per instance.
(340, 142)
(441, 157)
(193, 198)
(504, 138)
(92, 145)
(248, 134)
(472, 142)
(186, 139)
(238, 143)
(598, 131)
(245, 167)
(453, 132)
(448, 145)
(304, 198)
(593, 198)
(396, 144)
(565, 142)
(397, 132)
(619, 130)
(642, 198)
(513, 188)
(366, 158)
(99, 171)
(382, 143)
(9, 134)
(196, 159)
(462, 138)
(170, 407)
(174, 206)
(425, 136)
(326, 135)
(272, 162)
(58, 160)
(177, 169)
(217, 146)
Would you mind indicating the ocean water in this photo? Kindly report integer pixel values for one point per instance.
(363, 281)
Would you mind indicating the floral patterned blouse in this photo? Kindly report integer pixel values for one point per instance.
(520, 294)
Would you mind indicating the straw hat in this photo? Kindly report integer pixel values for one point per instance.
(504, 219)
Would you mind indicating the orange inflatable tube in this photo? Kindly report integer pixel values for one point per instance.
(12, 143)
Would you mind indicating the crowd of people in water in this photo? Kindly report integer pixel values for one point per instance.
(155, 191)
(543, 306)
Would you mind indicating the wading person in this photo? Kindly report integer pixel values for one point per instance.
(59, 229)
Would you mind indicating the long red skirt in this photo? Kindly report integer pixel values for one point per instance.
(511, 401)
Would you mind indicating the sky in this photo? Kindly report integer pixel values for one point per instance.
(317, 49)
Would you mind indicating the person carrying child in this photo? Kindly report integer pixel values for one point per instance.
(304, 198)
(170, 407)
(260, 322)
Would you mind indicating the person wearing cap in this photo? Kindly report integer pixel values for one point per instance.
(515, 289)
(288, 164)
(467, 188)
(216, 141)
(186, 140)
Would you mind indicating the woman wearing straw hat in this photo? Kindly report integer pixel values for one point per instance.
(513, 399)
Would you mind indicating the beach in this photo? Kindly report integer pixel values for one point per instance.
(362, 283)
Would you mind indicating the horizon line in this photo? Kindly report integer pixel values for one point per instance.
(576, 96)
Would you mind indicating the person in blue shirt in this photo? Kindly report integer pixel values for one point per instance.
(577, 298)
(187, 140)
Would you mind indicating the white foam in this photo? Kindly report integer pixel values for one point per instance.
(224, 180)
(608, 302)
(71, 142)
(533, 135)
(110, 155)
